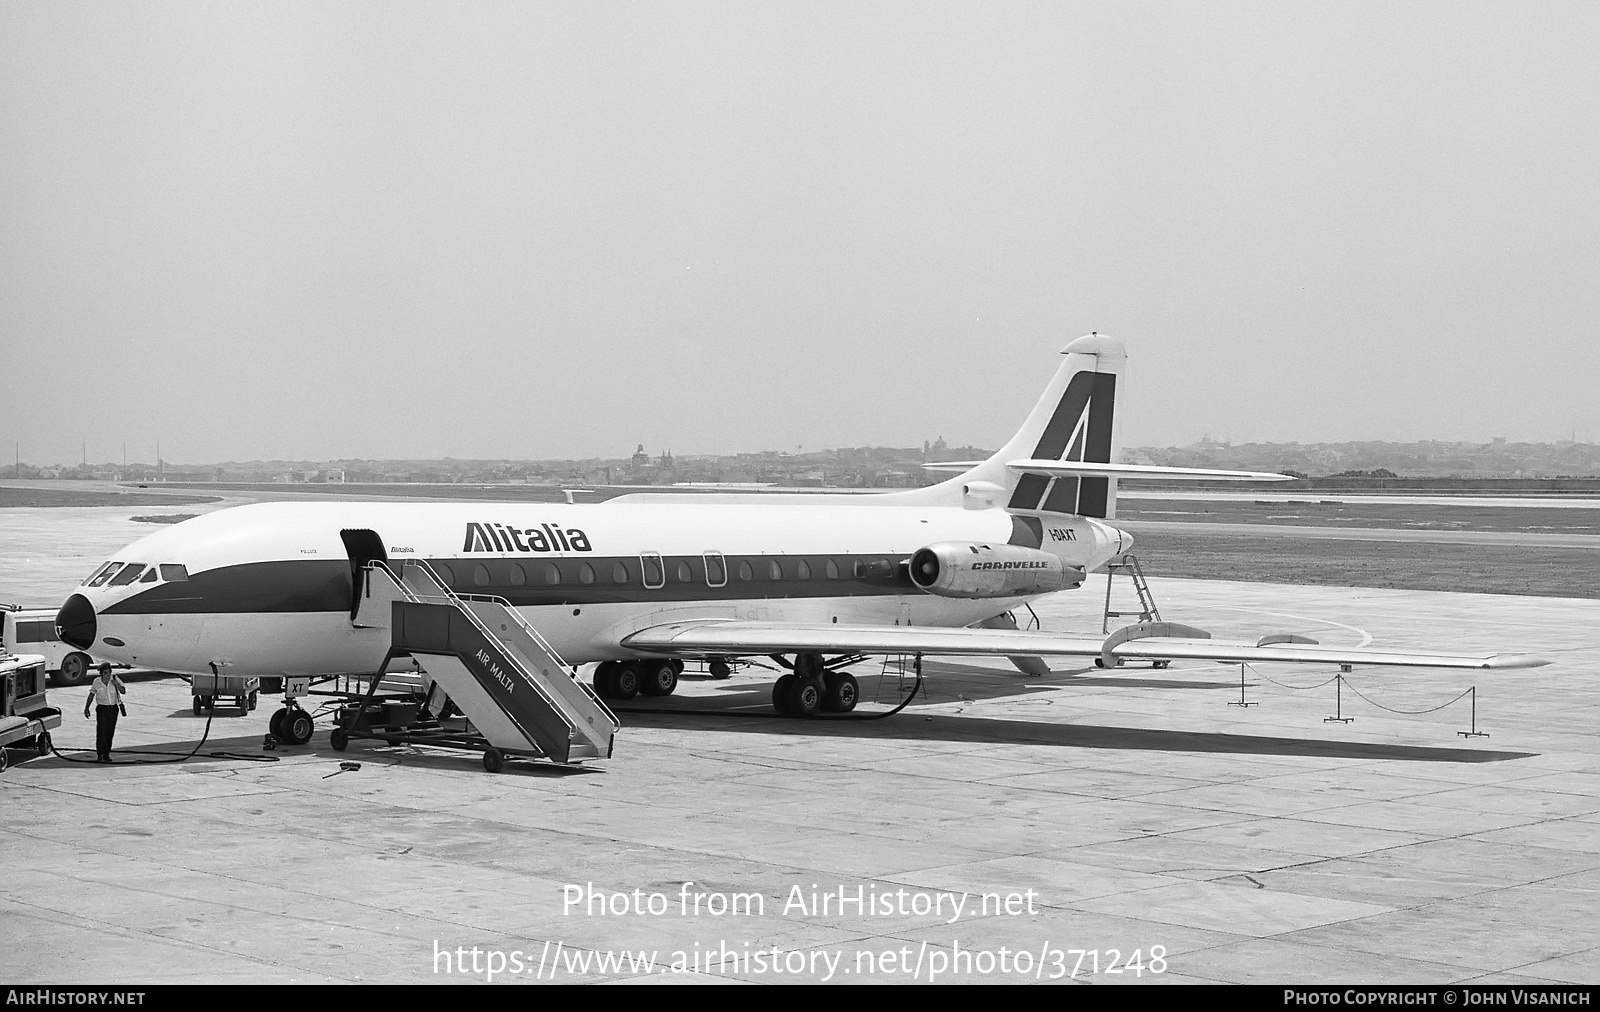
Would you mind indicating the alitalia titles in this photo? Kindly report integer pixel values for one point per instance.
(505, 538)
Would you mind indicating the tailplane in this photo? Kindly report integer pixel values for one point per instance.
(1071, 422)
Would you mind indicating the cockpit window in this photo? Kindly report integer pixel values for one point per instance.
(105, 574)
(103, 567)
(173, 573)
(149, 577)
(129, 573)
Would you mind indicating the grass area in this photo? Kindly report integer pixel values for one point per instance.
(1481, 569)
(17, 497)
(1401, 516)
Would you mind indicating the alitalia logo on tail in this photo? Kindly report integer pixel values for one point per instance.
(505, 538)
(1080, 429)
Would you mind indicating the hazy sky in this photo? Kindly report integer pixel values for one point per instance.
(540, 229)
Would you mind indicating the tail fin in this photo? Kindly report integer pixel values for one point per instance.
(1073, 420)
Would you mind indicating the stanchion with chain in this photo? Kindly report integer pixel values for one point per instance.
(1338, 698)
(1474, 733)
(1242, 701)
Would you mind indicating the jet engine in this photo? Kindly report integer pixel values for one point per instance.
(972, 569)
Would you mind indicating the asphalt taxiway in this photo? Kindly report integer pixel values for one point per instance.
(1107, 813)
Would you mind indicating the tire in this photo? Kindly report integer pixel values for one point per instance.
(807, 696)
(42, 743)
(658, 678)
(243, 704)
(197, 706)
(719, 670)
(493, 760)
(252, 702)
(297, 727)
(339, 738)
(625, 682)
(840, 692)
(783, 695)
(605, 679)
(74, 669)
(275, 725)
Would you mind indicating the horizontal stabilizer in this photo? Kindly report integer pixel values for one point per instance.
(1089, 469)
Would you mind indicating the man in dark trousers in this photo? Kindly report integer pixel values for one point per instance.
(105, 694)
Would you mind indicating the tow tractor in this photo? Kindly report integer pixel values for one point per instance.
(26, 718)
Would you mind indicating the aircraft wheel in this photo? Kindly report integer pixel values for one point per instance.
(297, 727)
(252, 701)
(74, 669)
(659, 678)
(493, 760)
(840, 692)
(275, 725)
(339, 738)
(783, 695)
(625, 681)
(719, 670)
(805, 698)
(197, 706)
(605, 679)
(4, 759)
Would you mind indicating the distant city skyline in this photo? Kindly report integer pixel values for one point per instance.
(407, 229)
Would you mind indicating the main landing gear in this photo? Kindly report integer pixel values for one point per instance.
(623, 680)
(811, 688)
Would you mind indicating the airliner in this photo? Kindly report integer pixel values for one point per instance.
(644, 581)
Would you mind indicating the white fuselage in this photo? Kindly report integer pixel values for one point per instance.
(267, 589)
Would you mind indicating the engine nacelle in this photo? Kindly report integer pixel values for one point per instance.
(973, 569)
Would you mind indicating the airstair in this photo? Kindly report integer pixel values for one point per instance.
(480, 654)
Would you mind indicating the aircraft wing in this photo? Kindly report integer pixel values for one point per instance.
(736, 637)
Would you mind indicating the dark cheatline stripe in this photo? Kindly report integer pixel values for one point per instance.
(317, 585)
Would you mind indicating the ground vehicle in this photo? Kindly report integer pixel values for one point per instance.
(33, 631)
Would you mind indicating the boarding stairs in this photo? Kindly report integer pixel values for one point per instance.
(503, 676)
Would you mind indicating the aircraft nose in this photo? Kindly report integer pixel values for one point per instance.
(75, 622)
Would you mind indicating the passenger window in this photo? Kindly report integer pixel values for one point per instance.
(833, 570)
(447, 576)
(552, 575)
(519, 576)
(804, 569)
(860, 570)
(129, 574)
(585, 573)
(174, 573)
(106, 574)
(745, 572)
(619, 573)
(685, 574)
(480, 575)
(774, 570)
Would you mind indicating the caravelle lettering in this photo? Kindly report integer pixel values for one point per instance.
(1010, 565)
(488, 537)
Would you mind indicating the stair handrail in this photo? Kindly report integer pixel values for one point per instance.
(556, 706)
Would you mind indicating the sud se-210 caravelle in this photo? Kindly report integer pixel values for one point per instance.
(643, 581)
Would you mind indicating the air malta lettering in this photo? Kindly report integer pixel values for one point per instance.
(504, 538)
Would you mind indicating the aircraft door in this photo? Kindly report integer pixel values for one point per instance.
(363, 546)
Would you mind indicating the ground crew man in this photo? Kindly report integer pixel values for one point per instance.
(105, 693)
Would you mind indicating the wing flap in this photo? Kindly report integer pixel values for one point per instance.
(734, 637)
